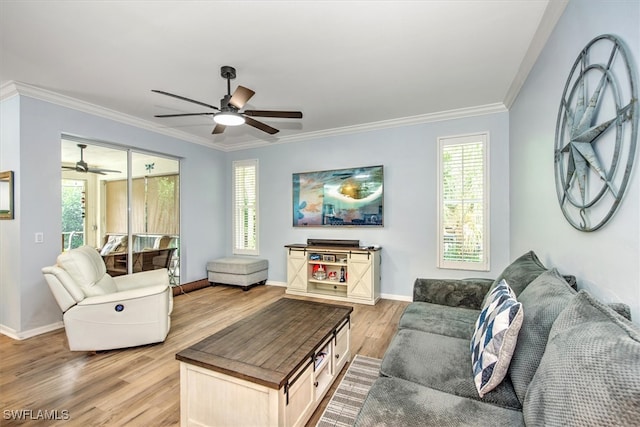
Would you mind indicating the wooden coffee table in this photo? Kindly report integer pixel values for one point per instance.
(270, 369)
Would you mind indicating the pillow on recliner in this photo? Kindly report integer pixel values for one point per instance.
(108, 247)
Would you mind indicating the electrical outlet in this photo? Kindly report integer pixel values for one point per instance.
(40, 237)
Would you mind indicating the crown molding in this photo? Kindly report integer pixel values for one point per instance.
(14, 88)
(459, 113)
(17, 88)
(550, 17)
(8, 90)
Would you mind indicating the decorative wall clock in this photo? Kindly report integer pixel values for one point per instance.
(596, 133)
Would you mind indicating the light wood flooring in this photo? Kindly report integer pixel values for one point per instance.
(141, 386)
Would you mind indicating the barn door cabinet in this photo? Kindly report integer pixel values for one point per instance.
(337, 273)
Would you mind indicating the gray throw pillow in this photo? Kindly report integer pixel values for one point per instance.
(590, 372)
(519, 274)
(621, 308)
(543, 300)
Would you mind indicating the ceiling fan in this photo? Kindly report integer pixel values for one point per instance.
(229, 113)
(82, 166)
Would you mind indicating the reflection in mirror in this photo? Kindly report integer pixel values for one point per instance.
(123, 202)
(6, 195)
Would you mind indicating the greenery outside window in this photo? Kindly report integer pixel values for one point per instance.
(245, 207)
(73, 213)
(463, 202)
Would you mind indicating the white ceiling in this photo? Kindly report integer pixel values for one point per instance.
(348, 65)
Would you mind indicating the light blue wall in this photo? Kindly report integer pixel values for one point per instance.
(524, 210)
(409, 235)
(38, 205)
(606, 262)
(10, 230)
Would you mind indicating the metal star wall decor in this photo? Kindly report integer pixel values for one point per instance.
(596, 133)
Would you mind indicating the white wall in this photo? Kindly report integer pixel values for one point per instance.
(409, 235)
(606, 262)
(27, 303)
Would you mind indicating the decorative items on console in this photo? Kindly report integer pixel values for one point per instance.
(342, 270)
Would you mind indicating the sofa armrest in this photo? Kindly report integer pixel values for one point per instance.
(142, 279)
(124, 295)
(467, 293)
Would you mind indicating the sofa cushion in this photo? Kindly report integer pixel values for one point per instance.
(589, 373)
(494, 339)
(396, 402)
(621, 308)
(520, 273)
(468, 293)
(441, 363)
(455, 322)
(543, 300)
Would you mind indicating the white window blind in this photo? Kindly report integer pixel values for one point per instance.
(245, 207)
(463, 241)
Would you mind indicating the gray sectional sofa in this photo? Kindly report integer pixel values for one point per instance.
(576, 361)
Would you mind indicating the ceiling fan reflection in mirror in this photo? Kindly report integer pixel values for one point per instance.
(229, 113)
(83, 167)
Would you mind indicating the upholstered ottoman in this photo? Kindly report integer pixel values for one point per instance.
(238, 271)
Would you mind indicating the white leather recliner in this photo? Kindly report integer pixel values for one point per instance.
(103, 312)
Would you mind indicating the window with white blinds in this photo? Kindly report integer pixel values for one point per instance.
(463, 202)
(245, 207)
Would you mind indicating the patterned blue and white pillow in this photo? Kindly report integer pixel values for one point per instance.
(495, 337)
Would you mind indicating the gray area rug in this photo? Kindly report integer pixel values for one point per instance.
(347, 400)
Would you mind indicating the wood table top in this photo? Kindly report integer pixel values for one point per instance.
(269, 346)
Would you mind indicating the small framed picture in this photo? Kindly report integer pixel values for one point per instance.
(328, 258)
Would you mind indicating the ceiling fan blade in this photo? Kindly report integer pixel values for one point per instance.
(185, 114)
(281, 114)
(184, 99)
(71, 168)
(96, 171)
(100, 170)
(241, 96)
(218, 129)
(262, 126)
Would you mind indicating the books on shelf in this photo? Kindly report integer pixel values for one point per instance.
(320, 358)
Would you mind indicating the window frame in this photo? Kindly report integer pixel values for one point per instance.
(236, 249)
(484, 264)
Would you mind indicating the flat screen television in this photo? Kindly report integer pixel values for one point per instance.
(339, 198)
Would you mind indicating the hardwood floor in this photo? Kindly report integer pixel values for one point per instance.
(141, 386)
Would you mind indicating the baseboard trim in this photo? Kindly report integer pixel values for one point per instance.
(397, 297)
(203, 283)
(189, 287)
(23, 335)
(275, 283)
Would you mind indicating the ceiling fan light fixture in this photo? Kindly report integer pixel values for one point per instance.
(228, 118)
